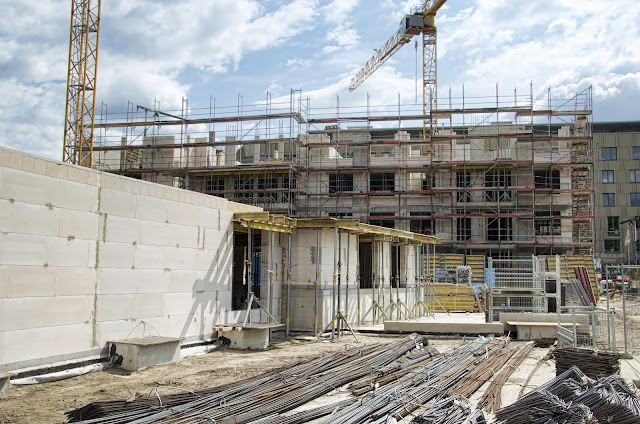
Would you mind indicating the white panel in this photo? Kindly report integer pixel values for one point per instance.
(181, 281)
(4, 281)
(184, 236)
(22, 249)
(23, 345)
(114, 307)
(73, 281)
(148, 305)
(63, 252)
(25, 187)
(116, 281)
(6, 214)
(151, 280)
(151, 209)
(72, 338)
(125, 230)
(35, 219)
(179, 258)
(31, 281)
(21, 313)
(155, 233)
(151, 257)
(78, 224)
(65, 310)
(117, 203)
(116, 255)
(71, 195)
(179, 303)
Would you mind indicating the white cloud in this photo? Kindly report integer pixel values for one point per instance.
(297, 63)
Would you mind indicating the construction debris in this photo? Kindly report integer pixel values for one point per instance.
(593, 364)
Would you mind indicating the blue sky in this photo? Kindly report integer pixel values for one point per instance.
(166, 50)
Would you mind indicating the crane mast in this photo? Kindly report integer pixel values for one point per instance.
(81, 82)
(422, 22)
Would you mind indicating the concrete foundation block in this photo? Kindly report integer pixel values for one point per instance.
(4, 384)
(143, 352)
(253, 340)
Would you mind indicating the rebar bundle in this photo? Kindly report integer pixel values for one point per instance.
(491, 400)
(455, 409)
(413, 390)
(569, 396)
(593, 364)
(270, 394)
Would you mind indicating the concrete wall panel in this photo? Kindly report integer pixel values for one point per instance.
(78, 224)
(31, 281)
(152, 281)
(71, 195)
(75, 281)
(147, 305)
(116, 281)
(121, 229)
(184, 236)
(71, 338)
(151, 257)
(25, 187)
(155, 233)
(35, 219)
(67, 310)
(70, 252)
(4, 281)
(151, 209)
(24, 345)
(6, 214)
(116, 255)
(117, 203)
(22, 313)
(22, 249)
(114, 307)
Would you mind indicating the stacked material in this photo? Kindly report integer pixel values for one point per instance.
(572, 397)
(592, 364)
(454, 297)
(491, 400)
(258, 397)
(409, 392)
(452, 410)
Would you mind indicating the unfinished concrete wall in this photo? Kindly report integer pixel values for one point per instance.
(87, 257)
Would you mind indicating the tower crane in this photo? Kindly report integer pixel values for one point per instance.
(421, 21)
(81, 82)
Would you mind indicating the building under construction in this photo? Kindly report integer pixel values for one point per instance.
(503, 177)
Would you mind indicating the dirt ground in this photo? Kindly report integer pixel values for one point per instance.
(47, 403)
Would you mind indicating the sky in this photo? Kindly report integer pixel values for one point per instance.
(157, 52)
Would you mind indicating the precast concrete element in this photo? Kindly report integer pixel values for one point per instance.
(4, 385)
(142, 352)
(426, 327)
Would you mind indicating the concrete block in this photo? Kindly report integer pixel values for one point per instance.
(206, 260)
(117, 203)
(29, 164)
(151, 280)
(184, 236)
(180, 303)
(116, 255)
(151, 257)
(67, 310)
(445, 327)
(181, 281)
(35, 219)
(182, 214)
(255, 339)
(22, 249)
(215, 239)
(74, 252)
(151, 209)
(4, 282)
(74, 281)
(179, 258)
(24, 345)
(120, 229)
(155, 233)
(114, 307)
(144, 352)
(21, 313)
(15, 159)
(79, 224)
(72, 338)
(56, 170)
(147, 305)
(71, 195)
(6, 215)
(1, 338)
(31, 281)
(117, 281)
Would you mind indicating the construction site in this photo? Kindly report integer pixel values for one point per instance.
(276, 262)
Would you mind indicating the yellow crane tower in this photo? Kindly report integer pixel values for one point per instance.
(81, 82)
(422, 21)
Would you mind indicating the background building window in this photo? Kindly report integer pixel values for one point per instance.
(608, 199)
(382, 182)
(607, 176)
(634, 175)
(612, 246)
(636, 152)
(635, 199)
(547, 178)
(340, 182)
(613, 225)
(609, 153)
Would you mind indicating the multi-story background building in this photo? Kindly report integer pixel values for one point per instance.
(503, 178)
(617, 151)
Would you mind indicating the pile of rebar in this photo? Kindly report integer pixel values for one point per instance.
(572, 397)
(421, 385)
(455, 409)
(258, 397)
(491, 399)
(591, 363)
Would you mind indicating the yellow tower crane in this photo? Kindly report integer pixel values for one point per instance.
(81, 82)
(422, 21)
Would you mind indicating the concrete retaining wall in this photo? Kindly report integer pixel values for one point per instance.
(87, 256)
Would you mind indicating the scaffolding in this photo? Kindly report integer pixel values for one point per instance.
(505, 176)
